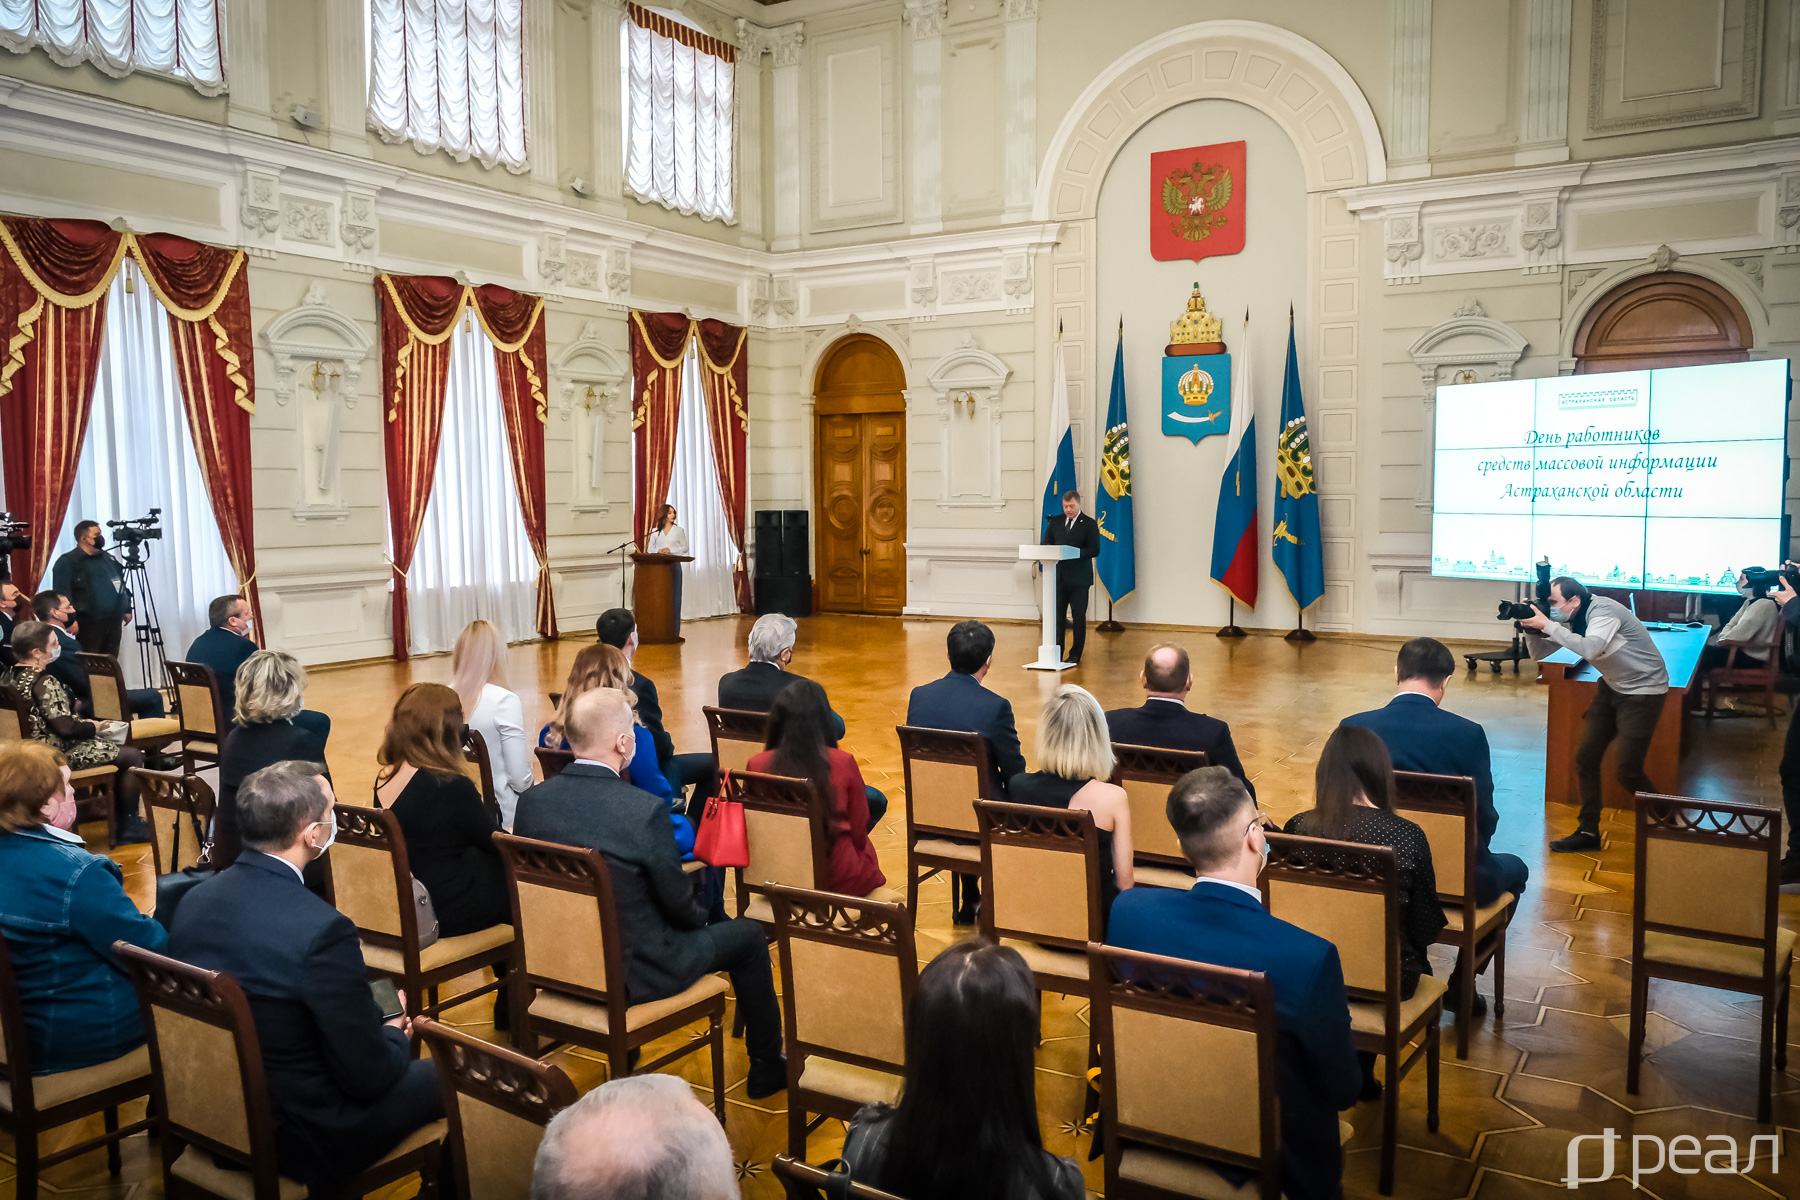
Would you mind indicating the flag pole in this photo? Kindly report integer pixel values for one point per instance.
(1109, 625)
(1231, 629)
(1300, 633)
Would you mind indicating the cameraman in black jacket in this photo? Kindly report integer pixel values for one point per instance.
(94, 582)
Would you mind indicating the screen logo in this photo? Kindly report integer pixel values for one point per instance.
(1625, 397)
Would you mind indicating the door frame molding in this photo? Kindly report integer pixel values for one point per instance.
(818, 406)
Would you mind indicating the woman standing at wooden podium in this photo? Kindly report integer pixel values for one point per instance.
(670, 538)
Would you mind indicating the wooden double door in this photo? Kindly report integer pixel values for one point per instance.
(860, 474)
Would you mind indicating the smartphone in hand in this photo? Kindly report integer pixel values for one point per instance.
(387, 998)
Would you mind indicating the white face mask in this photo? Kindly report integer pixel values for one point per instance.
(330, 836)
(55, 649)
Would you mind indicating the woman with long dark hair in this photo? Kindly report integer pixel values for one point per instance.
(669, 538)
(800, 746)
(966, 1127)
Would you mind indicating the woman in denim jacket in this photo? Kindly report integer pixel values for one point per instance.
(61, 910)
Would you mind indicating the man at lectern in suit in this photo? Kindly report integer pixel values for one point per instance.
(1074, 576)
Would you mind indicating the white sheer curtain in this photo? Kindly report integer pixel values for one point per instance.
(474, 558)
(139, 455)
(678, 105)
(183, 38)
(706, 589)
(450, 75)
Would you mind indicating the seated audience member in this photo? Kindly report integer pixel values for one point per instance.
(56, 609)
(1164, 721)
(478, 673)
(966, 1126)
(618, 628)
(799, 747)
(224, 646)
(10, 598)
(1221, 921)
(271, 725)
(61, 910)
(1075, 760)
(644, 1136)
(1752, 624)
(669, 945)
(53, 720)
(424, 780)
(344, 1087)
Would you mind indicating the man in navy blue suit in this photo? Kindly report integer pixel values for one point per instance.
(225, 646)
(960, 703)
(1221, 921)
(1164, 720)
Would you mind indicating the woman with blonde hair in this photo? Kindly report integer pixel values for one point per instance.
(1075, 761)
(603, 666)
(272, 725)
(478, 675)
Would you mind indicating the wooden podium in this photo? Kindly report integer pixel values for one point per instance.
(653, 598)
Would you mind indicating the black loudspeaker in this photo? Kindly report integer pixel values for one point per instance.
(789, 595)
(795, 545)
(768, 543)
(782, 550)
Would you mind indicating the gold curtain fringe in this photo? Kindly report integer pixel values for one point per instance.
(127, 243)
(399, 376)
(234, 367)
(506, 347)
(667, 363)
(413, 331)
(15, 346)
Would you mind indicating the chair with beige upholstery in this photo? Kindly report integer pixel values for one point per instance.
(552, 762)
(736, 736)
(787, 829)
(1444, 806)
(1190, 1076)
(106, 679)
(497, 1103)
(93, 785)
(848, 968)
(212, 1095)
(803, 1181)
(372, 884)
(32, 1105)
(203, 720)
(570, 982)
(1349, 894)
(945, 772)
(475, 753)
(1147, 773)
(179, 810)
(1708, 881)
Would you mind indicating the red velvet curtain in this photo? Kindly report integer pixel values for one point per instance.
(515, 324)
(725, 374)
(658, 342)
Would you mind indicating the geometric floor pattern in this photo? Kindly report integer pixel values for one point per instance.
(1553, 1069)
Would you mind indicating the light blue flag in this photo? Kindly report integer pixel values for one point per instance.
(1112, 505)
(1060, 470)
(1297, 552)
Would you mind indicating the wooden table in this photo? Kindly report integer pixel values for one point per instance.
(1573, 684)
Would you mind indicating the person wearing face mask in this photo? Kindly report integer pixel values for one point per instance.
(9, 616)
(225, 646)
(95, 581)
(1628, 702)
(1752, 624)
(61, 910)
(1221, 920)
(344, 1085)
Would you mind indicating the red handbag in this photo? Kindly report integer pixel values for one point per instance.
(720, 841)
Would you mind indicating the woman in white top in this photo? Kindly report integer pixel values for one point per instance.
(478, 673)
(669, 538)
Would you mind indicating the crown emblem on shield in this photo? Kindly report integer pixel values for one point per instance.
(1195, 386)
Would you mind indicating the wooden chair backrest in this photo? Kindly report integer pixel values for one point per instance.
(1040, 874)
(15, 716)
(179, 809)
(371, 879)
(197, 703)
(1348, 894)
(787, 829)
(1147, 773)
(946, 771)
(848, 969)
(106, 680)
(564, 919)
(497, 1102)
(1445, 808)
(1187, 1046)
(1707, 869)
(803, 1181)
(15, 1042)
(475, 752)
(736, 735)
(1740, 672)
(552, 762)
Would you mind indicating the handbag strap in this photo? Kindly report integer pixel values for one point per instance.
(837, 1182)
(200, 838)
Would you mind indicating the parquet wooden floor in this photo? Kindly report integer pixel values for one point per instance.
(1554, 1069)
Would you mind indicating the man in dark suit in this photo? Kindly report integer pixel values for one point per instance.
(225, 646)
(1164, 720)
(663, 923)
(617, 627)
(754, 687)
(1422, 736)
(1074, 576)
(57, 610)
(344, 1085)
(1221, 921)
(95, 581)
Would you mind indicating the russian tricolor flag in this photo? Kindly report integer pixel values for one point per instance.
(1236, 548)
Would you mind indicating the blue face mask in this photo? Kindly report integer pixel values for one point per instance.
(1558, 615)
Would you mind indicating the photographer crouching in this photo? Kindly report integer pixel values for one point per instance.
(1634, 682)
(94, 582)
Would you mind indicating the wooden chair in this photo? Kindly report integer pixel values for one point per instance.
(497, 1103)
(93, 785)
(570, 981)
(179, 809)
(848, 968)
(203, 719)
(1190, 1076)
(372, 884)
(552, 762)
(1708, 877)
(785, 828)
(736, 735)
(803, 1181)
(946, 772)
(32, 1105)
(106, 680)
(1349, 894)
(212, 1095)
(475, 752)
(1747, 679)
(1147, 773)
(1445, 807)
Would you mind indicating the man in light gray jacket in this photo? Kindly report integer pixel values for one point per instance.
(1634, 681)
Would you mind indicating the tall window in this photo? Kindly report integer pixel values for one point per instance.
(474, 558)
(183, 38)
(449, 75)
(678, 104)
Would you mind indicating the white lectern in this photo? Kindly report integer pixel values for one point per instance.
(1046, 557)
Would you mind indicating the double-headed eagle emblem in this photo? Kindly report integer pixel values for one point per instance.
(1196, 197)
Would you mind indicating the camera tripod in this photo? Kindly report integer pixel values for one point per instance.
(1514, 654)
(153, 659)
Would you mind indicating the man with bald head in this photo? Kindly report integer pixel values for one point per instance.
(669, 945)
(1164, 720)
(639, 1138)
